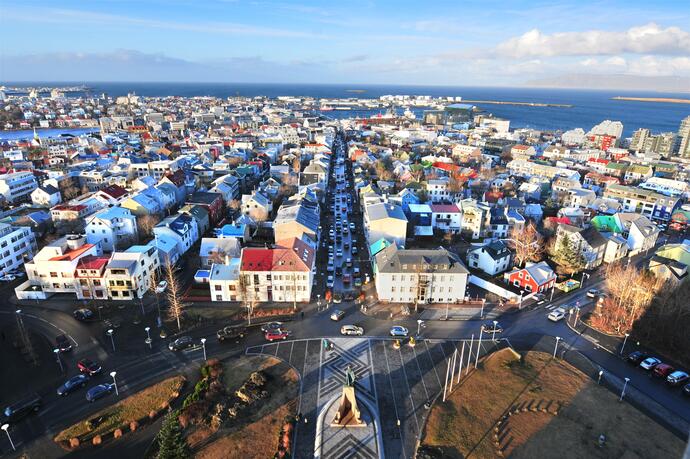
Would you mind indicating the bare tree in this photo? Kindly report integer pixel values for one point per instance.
(235, 204)
(174, 295)
(153, 285)
(146, 225)
(528, 244)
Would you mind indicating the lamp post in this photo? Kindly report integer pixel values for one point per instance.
(493, 336)
(481, 314)
(479, 346)
(582, 282)
(558, 338)
(625, 340)
(5, 427)
(148, 337)
(318, 301)
(203, 345)
(625, 384)
(112, 374)
(601, 373)
(57, 357)
(110, 333)
(419, 326)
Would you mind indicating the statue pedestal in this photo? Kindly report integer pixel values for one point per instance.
(348, 414)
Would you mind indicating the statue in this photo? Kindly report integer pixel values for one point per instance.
(348, 414)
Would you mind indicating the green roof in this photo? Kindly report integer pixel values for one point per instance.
(606, 223)
(678, 252)
(617, 166)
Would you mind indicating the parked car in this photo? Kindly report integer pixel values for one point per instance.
(398, 330)
(72, 384)
(678, 378)
(230, 333)
(330, 281)
(686, 390)
(354, 249)
(7, 278)
(489, 327)
(337, 298)
(592, 293)
(337, 314)
(162, 285)
(556, 315)
(83, 314)
(98, 391)
(88, 367)
(351, 330)
(271, 326)
(636, 357)
(649, 363)
(663, 370)
(273, 335)
(62, 343)
(21, 408)
(181, 343)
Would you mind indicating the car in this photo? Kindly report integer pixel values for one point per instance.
(98, 391)
(162, 285)
(354, 249)
(348, 262)
(338, 271)
(663, 370)
(29, 404)
(230, 333)
(352, 226)
(339, 253)
(62, 343)
(337, 314)
(83, 314)
(113, 323)
(592, 293)
(351, 330)
(346, 279)
(273, 335)
(337, 298)
(88, 367)
(398, 330)
(330, 282)
(489, 327)
(72, 384)
(346, 245)
(636, 357)
(686, 390)
(677, 378)
(649, 363)
(7, 278)
(181, 343)
(556, 315)
(358, 282)
(271, 326)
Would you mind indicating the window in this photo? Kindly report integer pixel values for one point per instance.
(217, 288)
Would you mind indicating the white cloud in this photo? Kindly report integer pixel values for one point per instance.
(616, 61)
(646, 39)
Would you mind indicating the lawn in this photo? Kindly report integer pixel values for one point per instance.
(133, 408)
(258, 432)
(562, 414)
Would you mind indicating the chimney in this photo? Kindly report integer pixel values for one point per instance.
(227, 259)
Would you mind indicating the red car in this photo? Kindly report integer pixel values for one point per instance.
(273, 335)
(88, 367)
(663, 370)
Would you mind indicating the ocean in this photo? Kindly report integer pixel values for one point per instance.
(589, 107)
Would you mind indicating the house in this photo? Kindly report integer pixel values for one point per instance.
(283, 273)
(167, 246)
(142, 205)
(385, 220)
(90, 273)
(224, 281)
(437, 190)
(315, 172)
(419, 276)
(69, 212)
(492, 258)
(648, 203)
(589, 242)
(534, 277)
(671, 263)
(128, 274)
(419, 218)
(297, 218)
(182, 228)
(200, 214)
(17, 186)
(46, 196)
(404, 198)
(111, 195)
(640, 232)
(218, 250)
(236, 229)
(498, 223)
(228, 186)
(17, 245)
(257, 206)
(111, 229)
(446, 218)
(475, 219)
(638, 172)
(616, 248)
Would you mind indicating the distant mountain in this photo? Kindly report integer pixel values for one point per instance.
(622, 82)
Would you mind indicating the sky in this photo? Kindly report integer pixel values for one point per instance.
(438, 42)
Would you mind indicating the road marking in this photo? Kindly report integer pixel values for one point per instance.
(292, 345)
(45, 321)
(275, 354)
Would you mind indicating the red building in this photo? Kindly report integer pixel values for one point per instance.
(535, 277)
(212, 202)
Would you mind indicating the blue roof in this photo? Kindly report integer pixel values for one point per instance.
(460, 106)
(231, 230)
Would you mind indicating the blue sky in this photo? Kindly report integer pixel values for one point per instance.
(457, 42)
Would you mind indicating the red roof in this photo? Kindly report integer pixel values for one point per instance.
(73, 254)
(92, 262)
(444, 208)
(297, 256)
(446, 166)
(559, 220)
(114, 191)
(598, 160)
(74, 208)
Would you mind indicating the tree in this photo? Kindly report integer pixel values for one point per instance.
(456, 182)
(153, 285)
(146, 225)
(528, 244)
(567, 257)
(235, 204)
(174, 295)
(171, 442)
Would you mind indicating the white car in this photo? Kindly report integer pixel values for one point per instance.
(351, 330)
(397, 330)
(330, 282)
(592, 292)
(556, 315)
(7, 278)
(649, 363)
(337, 314)
(162, 285)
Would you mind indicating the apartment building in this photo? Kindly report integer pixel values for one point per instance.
(113, 228)
(645, 202)
(17, 245)
(17, 186)
(128, 274)
(90, 271)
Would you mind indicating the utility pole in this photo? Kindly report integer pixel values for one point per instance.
(26, 339)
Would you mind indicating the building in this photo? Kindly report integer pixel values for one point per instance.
(419, 276)
(46, 196)
(17, 245)
(534, 277)
(641, 234)
(224, 281)
(257, 206)
(645, 202)
(297, 218)
(684, 138)
(218, 250)
(212, 202)
(113, 228)
(17, 186)
(283, 273)
(446, 218)
(90, 273)
(492, 258)
(387, 221)
(180, 227)
(128, 274)
(589, 242)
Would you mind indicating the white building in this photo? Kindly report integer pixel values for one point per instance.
(224, 281)
(128, 273)
(112, 229)
(46, 196)
(17, 245)
(17, 186)
(387, 221)
(492, 258)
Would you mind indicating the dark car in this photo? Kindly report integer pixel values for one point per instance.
(636, 357)
(230, 333)
(686, 390)
(489, 327)
(62, 343)
(98, 391)
(22, 408)
(72, 384)
(663, 370)
(88, 367)
(271, 326)
(83, 314)
(183, 342)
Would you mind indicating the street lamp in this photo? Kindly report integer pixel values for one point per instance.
(5, 427)
(112, 374)
(625, 384)
(479, 348)
(624, 341)
(481, 314)
(419, 326)
(558, 338)
(148, 337)
(601, 373)
(57, 357)
(493, 336)
(318, 301)
(203, 345)
(582, 282)
(112, 340)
